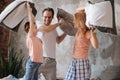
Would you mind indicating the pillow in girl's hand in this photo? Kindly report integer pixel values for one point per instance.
(13, 15)
(67, 25)
(99, 14)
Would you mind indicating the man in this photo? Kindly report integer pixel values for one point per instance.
(48, 68)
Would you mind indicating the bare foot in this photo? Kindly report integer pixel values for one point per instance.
(6, 78)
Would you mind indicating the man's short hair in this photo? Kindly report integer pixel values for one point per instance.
(49, 9)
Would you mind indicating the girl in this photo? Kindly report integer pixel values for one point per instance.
(34, 44)
(79, 68)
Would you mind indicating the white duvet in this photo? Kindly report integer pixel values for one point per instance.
(12, 16)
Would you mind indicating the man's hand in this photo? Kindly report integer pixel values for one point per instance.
(60, 20)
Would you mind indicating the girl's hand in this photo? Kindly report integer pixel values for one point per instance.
(93, 38)
(91, 27)
(92, 31)
(28, 6)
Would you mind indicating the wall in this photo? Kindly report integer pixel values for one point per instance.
(117, 15)
(4, 33)
(4, 41)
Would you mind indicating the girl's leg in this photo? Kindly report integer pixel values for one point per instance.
(82, 69)
(29, 70)
(71, 71)
(36, 71)
(12, 78)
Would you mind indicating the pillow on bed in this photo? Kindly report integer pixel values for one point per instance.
(13, 15)
(99, 14)
(67, 25)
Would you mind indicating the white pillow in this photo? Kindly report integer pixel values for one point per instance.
(12, 16)
(99, 14)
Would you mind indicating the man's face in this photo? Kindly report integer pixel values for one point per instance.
(47, 17)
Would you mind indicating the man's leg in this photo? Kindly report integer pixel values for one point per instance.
(48, 68)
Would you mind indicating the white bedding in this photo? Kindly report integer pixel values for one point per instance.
(12, 16)
(99, 14)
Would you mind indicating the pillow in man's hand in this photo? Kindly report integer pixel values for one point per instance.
(67, 25)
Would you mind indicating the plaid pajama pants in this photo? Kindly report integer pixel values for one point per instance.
(79, 69)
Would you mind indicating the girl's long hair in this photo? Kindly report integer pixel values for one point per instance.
(79, 21)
